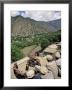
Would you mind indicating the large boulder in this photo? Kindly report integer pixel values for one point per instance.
(49, 57)
(54, 46)
(53, 67)
(43, 61)
(48, 75)
(57, 55)
(49, 50)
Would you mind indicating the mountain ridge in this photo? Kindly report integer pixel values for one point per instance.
(26, 26)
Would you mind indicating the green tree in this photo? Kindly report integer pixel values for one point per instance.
(16, 54)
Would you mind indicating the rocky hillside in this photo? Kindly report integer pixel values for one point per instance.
(45, 66)
(26, 26)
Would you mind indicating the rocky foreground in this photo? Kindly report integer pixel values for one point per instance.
(47, 64)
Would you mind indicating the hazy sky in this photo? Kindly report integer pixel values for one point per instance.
(38, 15)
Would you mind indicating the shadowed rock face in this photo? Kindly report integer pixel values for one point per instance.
(58, 62)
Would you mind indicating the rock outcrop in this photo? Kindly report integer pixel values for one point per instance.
(47, 66)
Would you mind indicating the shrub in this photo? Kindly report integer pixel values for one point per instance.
(44, 44)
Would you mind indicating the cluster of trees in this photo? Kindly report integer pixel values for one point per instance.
(16, 53)
(17, 43)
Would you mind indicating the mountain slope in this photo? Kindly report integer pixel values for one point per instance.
(26, 26)
(56, 24)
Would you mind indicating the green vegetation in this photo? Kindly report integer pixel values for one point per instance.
(19, 42)
(16, 53)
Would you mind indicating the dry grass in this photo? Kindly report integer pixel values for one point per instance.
(28, 49)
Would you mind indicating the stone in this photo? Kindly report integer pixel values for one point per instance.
(54, 46)
(31, 68)
(43, 70)
(37, 67)
(30, 73)
(53, 67)
(57, 55)
(50, 50)
(49, 57)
